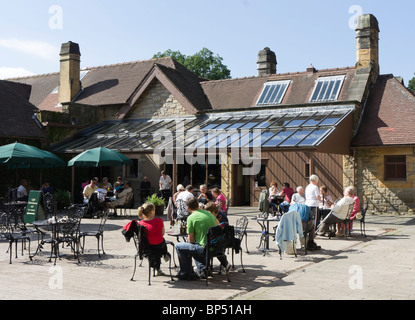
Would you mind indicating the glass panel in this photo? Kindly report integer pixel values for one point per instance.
(280, 94)
(296, 122)
(316, 91)
(335, 90)
(263, 95)
(329, 90)
(312, 138)
(331, 120)
(277, 139)
(296, 138)
(314, 121)
(322, 91)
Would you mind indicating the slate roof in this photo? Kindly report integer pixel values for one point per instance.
(244, 92)
(17, 112)
(114, 84)
(389, 115)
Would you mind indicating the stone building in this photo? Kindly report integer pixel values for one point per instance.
(344, 124)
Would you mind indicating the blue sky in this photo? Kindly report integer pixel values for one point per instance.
(300, 32)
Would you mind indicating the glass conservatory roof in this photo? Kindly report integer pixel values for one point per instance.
(295, 128)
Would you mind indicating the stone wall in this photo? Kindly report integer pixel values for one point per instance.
(156, 102)
(383, 197)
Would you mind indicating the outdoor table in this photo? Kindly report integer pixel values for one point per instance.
(53, 228)
(178, 235)
(265, 233)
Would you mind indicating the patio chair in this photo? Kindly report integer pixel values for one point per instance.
(7, 234)
(99, 234)
(239, 235)
(347, 222)
(129, 203)
(144, 251)
(69, 232)
(363, 211)
(218, 238)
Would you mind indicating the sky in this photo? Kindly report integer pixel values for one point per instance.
(300, 32)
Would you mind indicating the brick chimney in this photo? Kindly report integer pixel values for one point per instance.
(367, 35)
(267, 62)
(70, 66)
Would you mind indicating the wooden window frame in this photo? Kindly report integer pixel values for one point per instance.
(389, 163)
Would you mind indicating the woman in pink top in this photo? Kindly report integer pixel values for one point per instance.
(220, 199)
(155, 227)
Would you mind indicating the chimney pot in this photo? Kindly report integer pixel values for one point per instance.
(267, 62)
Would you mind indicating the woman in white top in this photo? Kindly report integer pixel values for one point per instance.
(312, 198)
(326, 201)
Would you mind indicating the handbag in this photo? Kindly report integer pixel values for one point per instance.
(359, 216)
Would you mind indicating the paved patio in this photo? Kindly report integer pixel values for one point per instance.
(108, 277)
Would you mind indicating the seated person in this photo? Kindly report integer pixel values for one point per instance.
(220, 199)
(106, 184)
(287, 193)
(90, 189)
(198, 224)
(118, 185)
(186, 194)
(326, 201)
(273, 192)
(22, 194)
(356, 210)
(180, 188)
(101, 192)
(213, 209)
(307, 222)
(299, 196)
(204, 196)
(155, 228)
(46, 188)
(339, 212)
(121, 197)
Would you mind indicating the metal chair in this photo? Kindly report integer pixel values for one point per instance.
(69, 232)
(144, 251)
(218, 238)
(7, 234)
(99, 234)
(240, 233)
(363, 210)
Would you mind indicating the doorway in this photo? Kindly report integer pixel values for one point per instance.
(241, 186)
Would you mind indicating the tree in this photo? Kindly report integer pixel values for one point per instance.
(411, 84)
(203, 63)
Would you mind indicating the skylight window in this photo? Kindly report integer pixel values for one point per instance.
(327, 89)
(273, 92)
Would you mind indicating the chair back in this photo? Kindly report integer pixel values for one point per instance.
(141, 241)
(104, 219)
(363, 210)
(129, 200)
(218, 239)
(349, 211)
(182, 210)
(240, 227)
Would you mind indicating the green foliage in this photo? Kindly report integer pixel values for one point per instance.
(411, 84)
(154, 199)
(62, 198)
(203, 63)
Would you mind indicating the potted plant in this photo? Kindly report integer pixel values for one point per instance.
(158, 203)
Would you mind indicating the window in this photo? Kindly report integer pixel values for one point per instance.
(273, 92)
(395, 168)
(327, 89)
(260, 177)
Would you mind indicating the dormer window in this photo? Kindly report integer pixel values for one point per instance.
(327, 89)
(273, 92)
